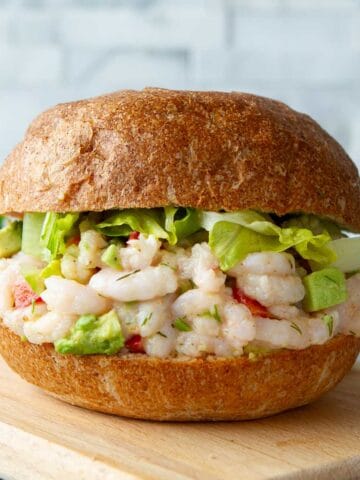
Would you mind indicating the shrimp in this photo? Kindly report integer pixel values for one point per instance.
(193, 345)
(274, 289)
(270, 278)
(72, 269)
(203, 268)
(349, 311)
(68, 296)
(138, 285)
(265, 263)
(90, 249)
(194, 302)
(153, 314)
(15, 319)
(162, 343)
(238, 326)
(50, 327)
(282, 333)
(139, 253)
(8, 278)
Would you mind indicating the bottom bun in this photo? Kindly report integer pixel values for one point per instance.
(184, 389)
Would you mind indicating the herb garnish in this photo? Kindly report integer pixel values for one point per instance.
(146, 319)
(296, 327)
(127, 275)
(213, 314)
(162, 334)
(329, 322)
(167, 265)
(182, 325)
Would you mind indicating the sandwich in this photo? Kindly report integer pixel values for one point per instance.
(180, 256)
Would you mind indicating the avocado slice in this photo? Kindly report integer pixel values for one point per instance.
(92, 334)
(10, 239)
(324, 289)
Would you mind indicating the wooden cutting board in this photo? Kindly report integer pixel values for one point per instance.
(42, 438)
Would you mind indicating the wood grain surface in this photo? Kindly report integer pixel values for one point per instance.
(42, 438)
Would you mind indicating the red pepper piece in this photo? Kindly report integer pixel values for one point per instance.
(73, 241)
(253, 305)
(134, 344)
(134, 235)
(24, 295)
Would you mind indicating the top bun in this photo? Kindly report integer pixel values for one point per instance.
(158, 147)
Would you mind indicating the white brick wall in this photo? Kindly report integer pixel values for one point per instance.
(304, 52)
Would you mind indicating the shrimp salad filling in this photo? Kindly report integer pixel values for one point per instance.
(178, 281)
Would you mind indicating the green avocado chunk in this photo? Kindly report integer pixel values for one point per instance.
(10, 239)
(92, 334)
(111, 257)
(324, 289)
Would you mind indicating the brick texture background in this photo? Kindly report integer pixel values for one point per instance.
(304, 52)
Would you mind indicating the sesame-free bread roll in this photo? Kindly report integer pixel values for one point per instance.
(157, 147)
(184, 389)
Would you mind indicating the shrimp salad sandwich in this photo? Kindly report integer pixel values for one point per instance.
(180, 256)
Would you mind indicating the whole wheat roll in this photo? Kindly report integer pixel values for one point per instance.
(158, 147)
(183, 389)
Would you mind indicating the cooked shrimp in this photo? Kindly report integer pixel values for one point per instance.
(194, 345)
(265, 263)
(72, 269)
(90, 249)
(50, 327)
(68, 296)
(138, 285)
(139, 253)
(16, 318)
(8, 278)
(203, 268)
(238, 326)
(153, 314)
(282, 333)
(349, 311)
(161, 344)
(270, 278)
(194, 302)
(272, 289)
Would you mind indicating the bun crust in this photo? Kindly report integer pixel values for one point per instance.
(157, 147)
(180, 389)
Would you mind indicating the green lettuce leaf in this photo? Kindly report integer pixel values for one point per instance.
(122, 222)
(32, 226)
(315, 224)
(55, 228)
(348, 254)
(181, 222)
(234, 235)
(52, 268)
(92, 335)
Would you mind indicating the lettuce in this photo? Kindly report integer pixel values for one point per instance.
(315, 224)
(122, 222)
(32, 226)
(232, 236)
(180, 228)
(348, 254)
(55, 228)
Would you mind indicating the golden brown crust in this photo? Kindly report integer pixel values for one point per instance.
(184, 390)
(157, 147)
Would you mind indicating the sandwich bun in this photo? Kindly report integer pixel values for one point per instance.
(182, 389)
(155, 147)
